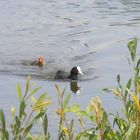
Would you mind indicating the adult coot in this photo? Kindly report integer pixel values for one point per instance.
(72, 76)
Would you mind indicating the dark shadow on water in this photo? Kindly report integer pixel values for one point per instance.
(74, 87)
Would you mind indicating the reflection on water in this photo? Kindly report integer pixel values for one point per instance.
(74, 87)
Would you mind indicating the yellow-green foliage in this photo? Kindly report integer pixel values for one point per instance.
(124, 127)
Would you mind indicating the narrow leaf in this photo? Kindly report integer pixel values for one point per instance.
(138, 63)
(58, 89)
(41, 98)
(71, 125)
(136, 99)
(66, 100)
(39, 115)
(34, 92)
(107, 90)
(128, 86)
(2, 117)
(27, 129)
(13, 111)
(42, 105)
(22, 108)
(45, 124)
(19, 90)
(18, 122)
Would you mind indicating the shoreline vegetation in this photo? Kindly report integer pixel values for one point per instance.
(124, 127)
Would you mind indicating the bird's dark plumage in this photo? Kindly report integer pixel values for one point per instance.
(72, 75)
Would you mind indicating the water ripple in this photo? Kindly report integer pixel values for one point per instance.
(66, 32)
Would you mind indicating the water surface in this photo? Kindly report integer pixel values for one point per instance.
(92, 34)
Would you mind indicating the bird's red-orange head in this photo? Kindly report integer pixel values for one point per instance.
(41, 61)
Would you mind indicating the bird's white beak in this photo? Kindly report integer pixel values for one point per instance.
(79, 70)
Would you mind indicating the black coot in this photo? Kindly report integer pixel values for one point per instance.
(72, 76)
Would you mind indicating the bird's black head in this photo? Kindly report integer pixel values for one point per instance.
(74, 72)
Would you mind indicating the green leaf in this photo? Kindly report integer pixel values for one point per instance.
(28, 86)
(66, 100)
(22, 108)
(107, 90)
(39, 115)
(138, 64)
(75, 108)
(80, 135)
(27, 129)
(128, 87)
(136, 77)
(58, 89)
(71, 125)
(45, 125)
(119, 81)
(42, 105)
(2, 117)
(132, 46)
(34, 92)
(13, 111)
(63, 92)
(36, 137)
(40, 100)
(82, 113)
(92, 117)
(29, 138)
(18, 122)
(118, 78)
(129, 84)
(19, 90)
(5, 135)
(104, 120)
(28, 83)
(88, 109)
(120, 123)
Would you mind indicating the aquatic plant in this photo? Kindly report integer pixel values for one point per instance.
(126, 126)
(65, 128)
(33, 111)
(30, 111)
(129, 124)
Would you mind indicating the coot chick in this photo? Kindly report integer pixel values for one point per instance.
(72, 76)
(39, 62)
